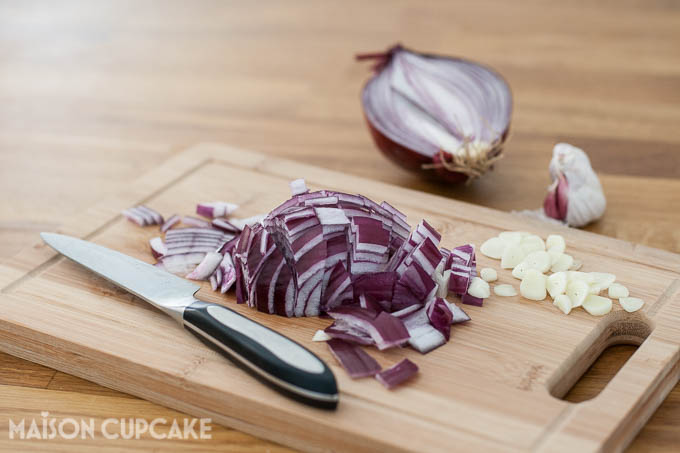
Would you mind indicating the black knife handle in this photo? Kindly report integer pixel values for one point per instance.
(271, 357)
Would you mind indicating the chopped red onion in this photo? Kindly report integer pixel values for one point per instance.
(193, 232)
(195, 222)
(206, 267)
(298, 187)
(339, 282)
(156, 218)
(440, 316)
(353, 359)
(225, 225)
(385, 330)
(397, 374)
(143, 216)
(472, 300)
(215, 209)
(158, 248)
(250, 221)
(228, 246)
(459, 282)
(171, 222)
(423, 336)
(200, 248)
(344, 332)
(182, 263)
(406, 311)
(379, 286)
(463, 254)
(331, 216)
(330, 252)
(459, 316)
(367, 302)
(228, 272)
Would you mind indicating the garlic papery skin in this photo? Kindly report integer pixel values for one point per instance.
(575, 196)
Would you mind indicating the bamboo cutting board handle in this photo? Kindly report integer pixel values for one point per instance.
(610, 421)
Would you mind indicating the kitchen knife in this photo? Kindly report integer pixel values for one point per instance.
(271, 357)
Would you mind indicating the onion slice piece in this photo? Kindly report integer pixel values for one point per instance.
(215, 209)
(172, 221)
(440, 315)
(142, 216)
(158, 247)
(353, 359)
(195, 222)
(387, 331)
(206, 267)
(424, 337)
(397, 374)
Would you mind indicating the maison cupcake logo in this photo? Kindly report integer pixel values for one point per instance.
(46, 428)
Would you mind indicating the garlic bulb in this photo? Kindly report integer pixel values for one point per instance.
(576, 195)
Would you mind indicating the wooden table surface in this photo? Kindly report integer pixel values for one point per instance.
(94, 94)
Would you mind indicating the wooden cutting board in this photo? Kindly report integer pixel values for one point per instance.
(494, 387)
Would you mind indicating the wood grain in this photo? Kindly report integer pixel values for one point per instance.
(94, 95)
(522, 353)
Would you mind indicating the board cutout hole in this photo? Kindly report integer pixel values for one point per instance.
(598, 375)
(601, 355)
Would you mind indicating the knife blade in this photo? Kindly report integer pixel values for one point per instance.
(271, 357)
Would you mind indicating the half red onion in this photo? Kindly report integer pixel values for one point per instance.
(446, 117)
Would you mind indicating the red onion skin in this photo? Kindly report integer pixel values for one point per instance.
(411, 160)
(397, 153)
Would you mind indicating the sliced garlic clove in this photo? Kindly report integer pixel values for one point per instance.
(617, 291)
(538, 260)
(533, 285)
(601, 281)
(479, 288)
(605, 278)
(493, 248)
(532, 243)
(597, 305)
(557, 285)
(577, 275)
(554, 255)
(577, 290)
(511, 237)
(512, 256)
(505, 290)
(562, 263)
(519, 270)
(631, 304)
(555, 242)
(563, 302)
(488, 274)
